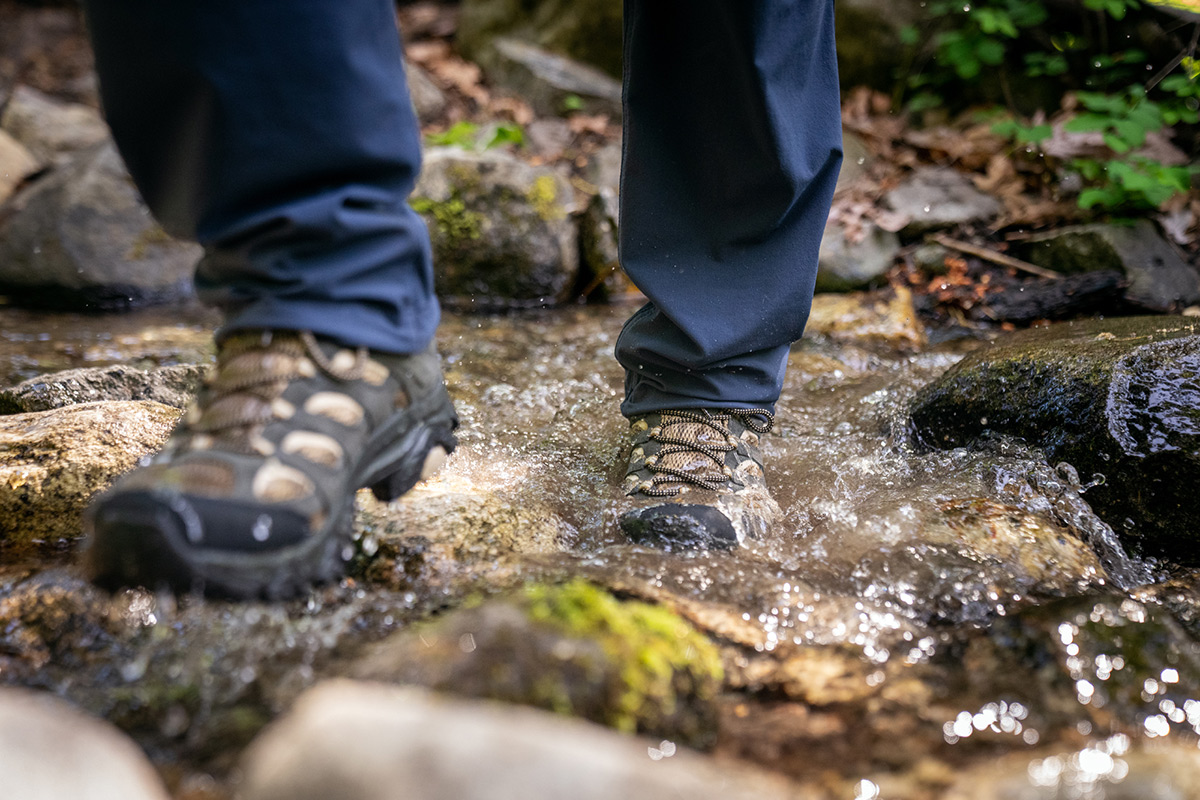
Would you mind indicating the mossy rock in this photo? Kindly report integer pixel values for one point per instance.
(574, 649)
(1118, 398)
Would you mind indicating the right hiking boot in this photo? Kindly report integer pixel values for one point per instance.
(253, 495)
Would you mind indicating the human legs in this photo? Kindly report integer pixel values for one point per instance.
(732, 150)
(281, 136)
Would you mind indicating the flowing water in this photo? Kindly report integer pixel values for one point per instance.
(916, 616)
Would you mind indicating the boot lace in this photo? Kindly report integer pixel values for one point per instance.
(758, 420)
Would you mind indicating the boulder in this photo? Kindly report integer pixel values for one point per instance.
(552, 84)
(574, 649)
(51, 129)
(49, 750)
(172, 386)
(940, 197)
(428, 100)
(587, 30)
(53, 462)
(1159, 279)
(845, 264)
(1118, 399)
(16, 164)
(357, 741)
(502, 230)
(82, 238)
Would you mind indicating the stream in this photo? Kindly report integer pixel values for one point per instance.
(920, 624)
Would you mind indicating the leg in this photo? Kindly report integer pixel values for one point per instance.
(732, 150)
(280, 135)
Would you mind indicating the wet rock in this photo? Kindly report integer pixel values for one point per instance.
(52, 617)
(362, 741)
(1114, 398)
(1112, 768)
(587, 30)
(428, 100)
(172, 386)
(573, 649)
(51, 129)
(81, 238)
(16, 164)
(940, 197)
(1159, 278)
(885, 317)
(601, 275)
(552, 84)
(53, 462)
(845, 264)
(501, 229)
(50, 750)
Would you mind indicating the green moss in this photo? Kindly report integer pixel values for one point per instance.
(451, 217)
(651, 647)
(543, 197)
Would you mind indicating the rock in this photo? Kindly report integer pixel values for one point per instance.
(845, 265)
(930, 257)
(871, 51)
(548, 138)
(81, 238)
(573, 649)
(352, 741)
(54, 617)
(502, 229)
(51, 129)
(552, 84)
(1159, 278)
(883, 317)
(428, 100)
(1117, 398)
(940, 197)
(855, 156)
(52, 462)
(49, 750)
(587, 30)
(172, 386)
(16, 164)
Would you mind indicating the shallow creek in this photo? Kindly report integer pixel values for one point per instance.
(921, 621)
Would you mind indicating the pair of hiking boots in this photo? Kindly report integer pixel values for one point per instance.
(253, 495)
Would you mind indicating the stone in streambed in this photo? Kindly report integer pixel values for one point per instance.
(845, 264)
(53, 462)
(502, 230)
(51, 129)
(49, 751)
(172, 386)
(1118, 398)
(552, 84)
(940, 197)
(881, 317)
(574, 649)
(81, 238)
(16, 164)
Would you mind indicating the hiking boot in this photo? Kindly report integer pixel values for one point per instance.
(696, 479)
(253, 495)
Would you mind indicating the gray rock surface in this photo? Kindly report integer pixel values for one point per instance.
(82, 238)
(587, 30)
(16, 164)
(502, 230)
(1159, 278)
(1118, 398)
(350, 741)
(940, 197)
(171, 386)
(50, 128)
(428, 100)
(51, 751)
(845, 265)
(53, 462)
(552, 84)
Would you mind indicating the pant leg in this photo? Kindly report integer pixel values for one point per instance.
(280, 135)
(732, 149)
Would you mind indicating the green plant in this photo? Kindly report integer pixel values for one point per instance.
(469, 136)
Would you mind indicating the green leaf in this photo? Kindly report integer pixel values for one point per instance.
(460, 134)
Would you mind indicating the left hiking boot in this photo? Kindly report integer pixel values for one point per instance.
(695, 478)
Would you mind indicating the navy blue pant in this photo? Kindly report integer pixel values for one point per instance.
(279, 134)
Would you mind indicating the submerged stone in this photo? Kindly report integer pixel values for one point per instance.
(53, 462)
(1118, 399)
(574, 649)
(173, 386)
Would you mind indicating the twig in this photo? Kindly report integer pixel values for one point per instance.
(994, 257)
